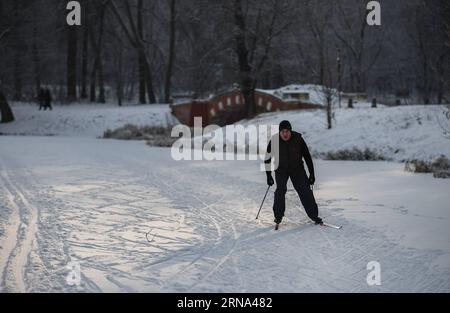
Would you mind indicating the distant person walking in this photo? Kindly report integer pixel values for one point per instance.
(41, 98)
(48, 100)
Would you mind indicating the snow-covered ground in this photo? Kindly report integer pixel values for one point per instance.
(397, 133)
(89, 120)
(136, 220)
(94, 201)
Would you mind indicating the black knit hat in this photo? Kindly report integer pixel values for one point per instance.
(285, 125)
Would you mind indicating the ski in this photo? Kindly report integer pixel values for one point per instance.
(277, 226)
(331, 225)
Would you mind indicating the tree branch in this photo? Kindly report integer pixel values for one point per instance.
(122, 23)
(3, 33)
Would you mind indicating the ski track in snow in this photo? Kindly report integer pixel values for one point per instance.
(22, 237)
(9, 239)
(94, 201)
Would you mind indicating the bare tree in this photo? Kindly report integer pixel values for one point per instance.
(96, 34)
(245, 70)
(3, 33)
(203, 63)
(85, 50)
(72, 44)
(202, 47)
(18, 54)
(253, 41)
(362, 50)
(36, 55)
(427, 27)
(136, 39)
(72, 56)
(315, 18)
(172, 33)
(118, 52)
(141, 53)
(5, 110)
(328, 96)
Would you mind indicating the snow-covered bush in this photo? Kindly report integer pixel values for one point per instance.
(155, 136)
(441, 174)
(127, 132)
(354, 154)
(440, 167)
(158, 140)
(418, 166)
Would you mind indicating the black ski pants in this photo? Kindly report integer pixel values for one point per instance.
(301, 185)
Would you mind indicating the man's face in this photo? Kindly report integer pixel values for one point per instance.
(285, 134)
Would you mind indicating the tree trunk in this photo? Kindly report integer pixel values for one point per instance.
(84, 55)
(350, 103)
(142, 78)
(93, 95)
(329, 114)
(96, 43)
(149, 80)
(167, 85)
(242, 53)
(101, 85)
(101, 95)
(141, 54)
(130, 85)
(441, 78)
(119, 91)
(374, 102)
(71, 63)
(36, 61)
(17, 57)
(339, 78)
(249, 97)
(135, 36)
(266, 81)
(322, 67)
(5, 110)
(352, 78)
(17, 75)
(425, 82)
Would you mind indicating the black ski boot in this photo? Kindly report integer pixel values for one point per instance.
(318, 221)
(277, 224)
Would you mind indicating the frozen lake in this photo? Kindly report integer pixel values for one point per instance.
(135, 220)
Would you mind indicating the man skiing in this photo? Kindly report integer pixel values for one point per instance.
(291, 150)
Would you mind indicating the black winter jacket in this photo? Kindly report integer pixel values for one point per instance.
(292, 153)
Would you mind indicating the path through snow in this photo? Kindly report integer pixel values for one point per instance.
(94, 201)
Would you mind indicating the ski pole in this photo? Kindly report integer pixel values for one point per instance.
(263, 202)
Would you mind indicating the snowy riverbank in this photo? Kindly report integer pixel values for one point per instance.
(395, 133)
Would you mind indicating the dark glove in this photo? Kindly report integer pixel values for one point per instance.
(270, 181)
(311, 179)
